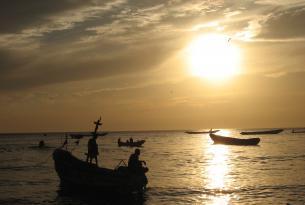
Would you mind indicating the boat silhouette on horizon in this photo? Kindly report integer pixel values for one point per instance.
(262, 132)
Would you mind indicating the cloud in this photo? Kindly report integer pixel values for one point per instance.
(49, 42)
(39, 70)
(16, 15)
(284, 24)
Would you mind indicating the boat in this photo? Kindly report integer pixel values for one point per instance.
(298, 130)
(137, 143)
(262, 132)
(76, 175)
(201, 132)
(233, 141)
(80, 136)
(79, 175)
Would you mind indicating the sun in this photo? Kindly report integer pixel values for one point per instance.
(213, 57)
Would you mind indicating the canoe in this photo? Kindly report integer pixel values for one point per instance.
(201, 132)
(233, 141)
(298, 131)
(138, 143)
(79, 136)
(262, 132)
(78, 175)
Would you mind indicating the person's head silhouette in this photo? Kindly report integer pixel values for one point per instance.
(137, 152)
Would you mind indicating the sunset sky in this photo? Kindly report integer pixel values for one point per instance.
(63, 63)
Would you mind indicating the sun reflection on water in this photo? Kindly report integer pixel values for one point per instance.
(218, 167)
(217, 172)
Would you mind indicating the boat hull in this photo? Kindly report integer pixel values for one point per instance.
(201, 132)
(276, 131)
(79, 175)
(234, 141)
(133, 144)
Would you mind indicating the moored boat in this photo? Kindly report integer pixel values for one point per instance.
(262, 132)
(233, 141)
(298, 130)
(80, 175)
(80, 136)
(138, 143)
(201, 132)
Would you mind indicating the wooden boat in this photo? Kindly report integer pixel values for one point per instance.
(76, 174)
(201, 132)
(79, 136)
(262, 132)
(298, 130)
(233, 141)
(138, 143)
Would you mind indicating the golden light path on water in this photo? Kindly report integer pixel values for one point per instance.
(218, 170)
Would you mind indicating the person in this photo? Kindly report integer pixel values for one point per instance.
(131, 140)
(41, 144)
(92, 150)
(134, 164)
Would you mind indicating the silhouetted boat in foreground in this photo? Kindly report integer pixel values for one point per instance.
(138, 143)
(201, 132)
(233, 141)
(262, 132)
(78, 175)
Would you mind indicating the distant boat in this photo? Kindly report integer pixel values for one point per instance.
(79, 136)
(233, 141)
(201, 132)
(298, 130)
(138, 143)
(78, 175)
(262, 132)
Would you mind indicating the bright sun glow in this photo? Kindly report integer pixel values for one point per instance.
(213, 57)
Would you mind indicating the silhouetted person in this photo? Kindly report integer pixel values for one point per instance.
(41, 144)
(131, 140)
(134, 164)
(92, 150)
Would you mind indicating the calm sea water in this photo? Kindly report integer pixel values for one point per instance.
(184, 169)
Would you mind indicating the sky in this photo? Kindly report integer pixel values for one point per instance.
(64, 63)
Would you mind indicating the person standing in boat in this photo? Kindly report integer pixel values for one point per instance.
(134, 164)
(92, 150)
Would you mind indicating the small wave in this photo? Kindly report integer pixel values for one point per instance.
(21, 168)
(186, 191)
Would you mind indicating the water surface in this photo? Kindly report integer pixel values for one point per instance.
(184, 169)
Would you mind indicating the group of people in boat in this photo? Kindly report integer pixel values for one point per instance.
(130, 141)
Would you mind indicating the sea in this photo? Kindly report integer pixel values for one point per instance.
(183, 169)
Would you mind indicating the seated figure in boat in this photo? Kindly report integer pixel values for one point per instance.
(92, 150)
(135, 165)
(41, 144)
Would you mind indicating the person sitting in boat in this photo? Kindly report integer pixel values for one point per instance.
(92, 150)
(134, 164)
(41, 144)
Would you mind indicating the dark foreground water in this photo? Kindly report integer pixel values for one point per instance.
(184, 169)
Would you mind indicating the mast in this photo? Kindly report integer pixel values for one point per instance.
(97, 124)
